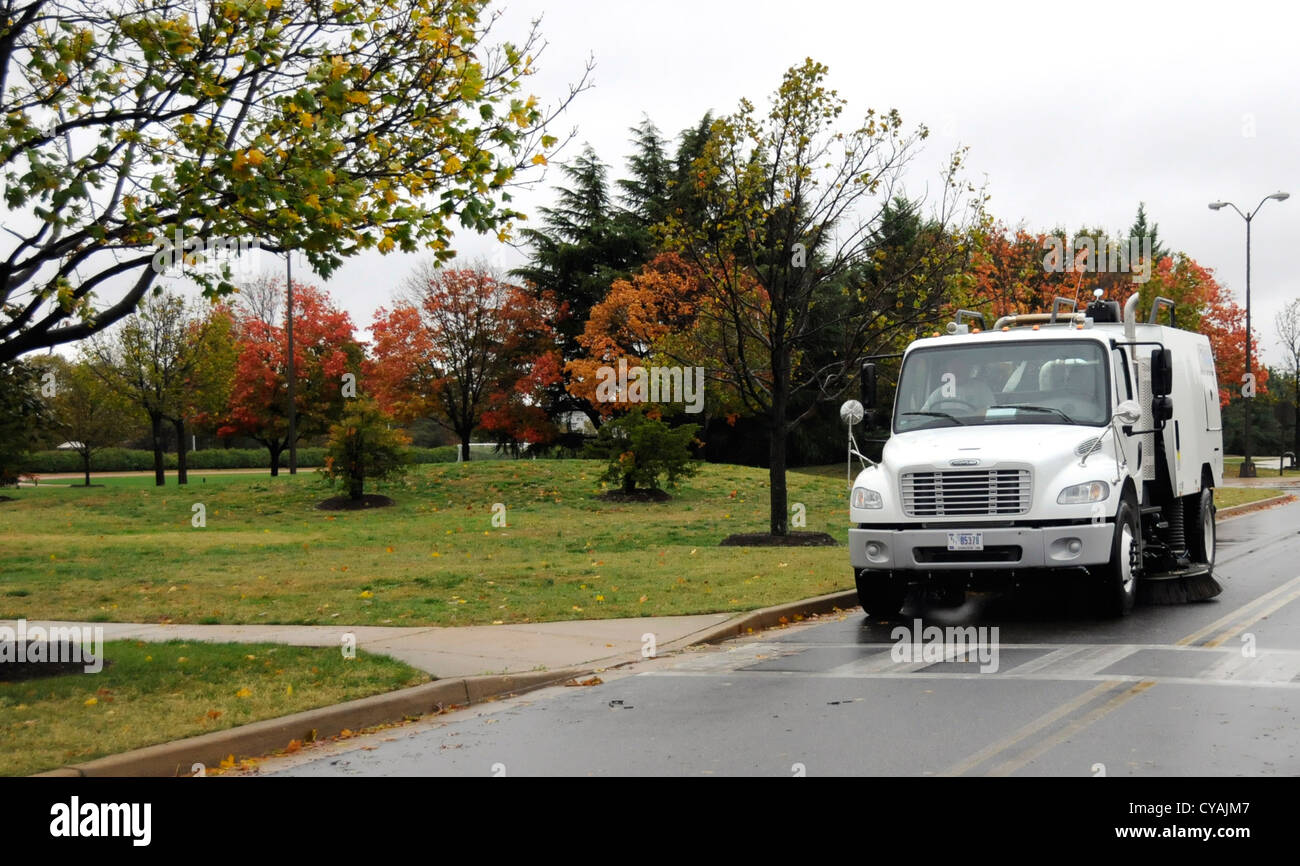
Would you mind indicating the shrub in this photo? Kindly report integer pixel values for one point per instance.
(641, 449)
(363, 445)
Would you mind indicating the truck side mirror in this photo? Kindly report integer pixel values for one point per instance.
(1162, 372)
(1128, 412)
(869, 385)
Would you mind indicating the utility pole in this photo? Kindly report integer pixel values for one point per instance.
(293, 406)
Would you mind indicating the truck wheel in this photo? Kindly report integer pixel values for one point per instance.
(1198, 518)
(880, 593)
(1118, 585)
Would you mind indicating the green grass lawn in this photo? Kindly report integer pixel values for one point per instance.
(158, 692)
(127, 552)
(1226, 497)
(1232, 467)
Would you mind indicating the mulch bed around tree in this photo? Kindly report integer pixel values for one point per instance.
(793, 539)
(7, 499)
(345, 503)
(14, 671)
(638, 495)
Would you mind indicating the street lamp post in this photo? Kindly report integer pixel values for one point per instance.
(1247, 465)
(293, 405)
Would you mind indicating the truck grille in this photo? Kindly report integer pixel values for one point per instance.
(967, 491)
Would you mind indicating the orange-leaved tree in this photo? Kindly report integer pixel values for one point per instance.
(469, 350)
(325, 350)
(1205, 305)
(635, 322)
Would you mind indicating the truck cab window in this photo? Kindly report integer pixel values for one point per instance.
(1030, 382)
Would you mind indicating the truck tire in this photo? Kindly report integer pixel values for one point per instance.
(1117, 588)
(880, 593)
(1198, 518)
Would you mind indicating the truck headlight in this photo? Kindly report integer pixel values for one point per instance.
(865, 498)
(1081, 494)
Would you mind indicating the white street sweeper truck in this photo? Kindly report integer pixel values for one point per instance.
(1071, 442)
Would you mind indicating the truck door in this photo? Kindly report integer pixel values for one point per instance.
(1210, 389)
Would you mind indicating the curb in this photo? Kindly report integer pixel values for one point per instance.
(769, 617)
(1248, 507)
(261, 738)
(269, 735)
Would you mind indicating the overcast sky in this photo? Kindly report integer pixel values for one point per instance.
(1073, 112)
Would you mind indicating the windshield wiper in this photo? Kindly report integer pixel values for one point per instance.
(1030, 408)
(952, 418)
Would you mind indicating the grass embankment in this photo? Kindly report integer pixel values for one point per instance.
(127, 552)
(1226, 497)
(158, 692)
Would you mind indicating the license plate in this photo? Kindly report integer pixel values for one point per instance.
(965, 541)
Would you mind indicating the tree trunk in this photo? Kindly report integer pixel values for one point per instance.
(464, 447)
(276, 450)
(155, 430)
(85, 464)
(776, 475)
(182, 476)
(1295, 445)
(357, 478)
(776, 453)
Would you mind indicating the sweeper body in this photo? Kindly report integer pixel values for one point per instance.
(1054, 445)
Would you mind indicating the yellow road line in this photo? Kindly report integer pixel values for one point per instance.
(993, 750)
(1226, 627)
(1229, 618)
(1049, 743)
(1227, 634)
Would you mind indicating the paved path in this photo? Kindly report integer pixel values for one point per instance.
(446, 652)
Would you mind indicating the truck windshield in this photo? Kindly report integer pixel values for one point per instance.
(1032, 382)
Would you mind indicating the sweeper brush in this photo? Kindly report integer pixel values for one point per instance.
(1193, 584)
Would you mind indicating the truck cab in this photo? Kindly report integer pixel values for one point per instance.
(1081, 443)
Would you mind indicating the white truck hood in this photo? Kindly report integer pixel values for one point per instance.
(989, 444)
(1051, 452)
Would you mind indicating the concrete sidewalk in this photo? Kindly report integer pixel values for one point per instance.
(461, 651)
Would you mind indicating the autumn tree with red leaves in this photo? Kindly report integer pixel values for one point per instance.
(470, 351)
(1204, 305)
(1008, 275)
(325, 349)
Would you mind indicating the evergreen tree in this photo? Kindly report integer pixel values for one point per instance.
(686, 199)
(645, 195)
(586, 242)
(1141, 229)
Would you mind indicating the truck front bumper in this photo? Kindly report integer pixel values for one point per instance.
(1005, 548)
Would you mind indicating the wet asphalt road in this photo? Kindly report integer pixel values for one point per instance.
(1211, 688)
